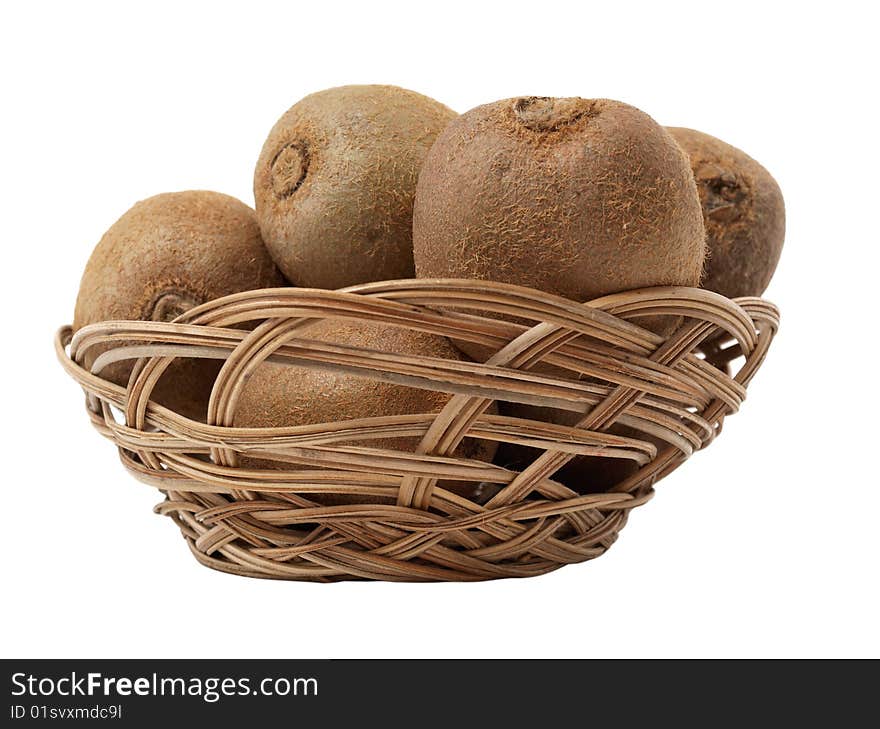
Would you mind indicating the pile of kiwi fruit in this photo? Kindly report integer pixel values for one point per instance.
(573, 196)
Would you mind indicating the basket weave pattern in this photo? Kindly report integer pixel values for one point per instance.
(676, 390)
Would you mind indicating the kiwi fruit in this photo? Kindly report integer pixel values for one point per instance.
(744, 214)
(335, 182)
(278, 395)
(576, 197)
(165, 255)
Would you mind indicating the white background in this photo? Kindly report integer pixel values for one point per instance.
(764, 545)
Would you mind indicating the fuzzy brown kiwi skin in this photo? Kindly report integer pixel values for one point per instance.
(277, 396)
(744, 214)
(335, 182)
(575, 197)
(165, 255)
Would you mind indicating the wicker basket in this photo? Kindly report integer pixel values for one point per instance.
(262, 523)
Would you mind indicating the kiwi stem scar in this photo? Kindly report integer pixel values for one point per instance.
(289, 168)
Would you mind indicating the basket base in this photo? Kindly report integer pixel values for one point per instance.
(338, 563)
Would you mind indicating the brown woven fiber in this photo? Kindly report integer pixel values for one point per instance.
(266, 523)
